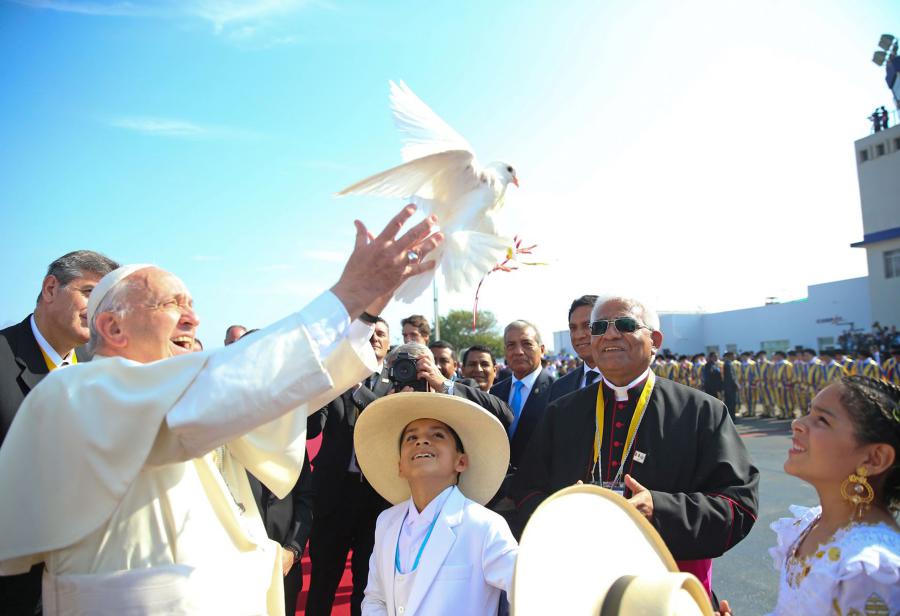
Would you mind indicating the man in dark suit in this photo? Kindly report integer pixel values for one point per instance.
(730, 383)
(288, 521)
(528, 390)
(479, 366)
(580, 334)
(44, 341)
(445, 359)
(671, 450)
(346, 506)
(712, 375)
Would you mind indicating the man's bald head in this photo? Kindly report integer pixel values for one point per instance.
(147, 316)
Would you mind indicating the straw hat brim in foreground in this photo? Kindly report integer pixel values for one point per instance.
(586, 550)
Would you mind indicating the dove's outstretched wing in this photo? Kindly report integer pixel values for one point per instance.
(450, 169)
(424, 132)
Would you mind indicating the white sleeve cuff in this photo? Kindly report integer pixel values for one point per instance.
(326, 320)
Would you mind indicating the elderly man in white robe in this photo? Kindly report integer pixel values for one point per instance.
(126, 475)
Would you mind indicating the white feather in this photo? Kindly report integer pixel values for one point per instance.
(442, 176)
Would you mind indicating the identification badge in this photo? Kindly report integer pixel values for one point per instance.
(639, 456)
(618, 488)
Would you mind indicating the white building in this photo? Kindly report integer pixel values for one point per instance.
(814, 322)
(878, 170)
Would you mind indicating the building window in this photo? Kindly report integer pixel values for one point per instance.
(879, 149)
(892, 264)
(863, 156)
(770, 346)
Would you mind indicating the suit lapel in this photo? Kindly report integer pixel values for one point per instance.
(439, 545)
(28, 355)
(391, 536)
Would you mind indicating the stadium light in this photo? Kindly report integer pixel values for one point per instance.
(885, 41)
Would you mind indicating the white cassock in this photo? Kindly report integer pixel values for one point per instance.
(107, 472)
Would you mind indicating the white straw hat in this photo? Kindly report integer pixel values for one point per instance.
(376, 441)
(586, 550)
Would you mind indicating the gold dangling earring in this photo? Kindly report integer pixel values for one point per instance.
(856, 489)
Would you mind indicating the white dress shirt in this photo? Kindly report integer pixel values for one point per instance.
(48, 348)
(528, 382)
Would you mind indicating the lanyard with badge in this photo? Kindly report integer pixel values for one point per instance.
(437, 513)
(617, 485)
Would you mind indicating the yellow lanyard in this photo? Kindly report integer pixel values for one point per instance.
(642, 403)
(50, 363)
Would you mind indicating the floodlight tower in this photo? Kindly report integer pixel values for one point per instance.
(886, 56)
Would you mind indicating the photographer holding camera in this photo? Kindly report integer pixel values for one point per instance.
(411, 367)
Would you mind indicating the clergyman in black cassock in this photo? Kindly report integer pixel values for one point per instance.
(687, 459)
(703, 484)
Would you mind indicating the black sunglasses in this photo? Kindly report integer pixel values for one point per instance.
(623, 325)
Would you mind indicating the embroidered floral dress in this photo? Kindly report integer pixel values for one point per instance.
(855, 573)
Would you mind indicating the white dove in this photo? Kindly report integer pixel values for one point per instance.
(443, 178)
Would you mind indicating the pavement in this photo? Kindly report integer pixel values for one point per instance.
(745, 575)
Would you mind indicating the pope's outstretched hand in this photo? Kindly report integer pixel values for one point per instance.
(380, 264)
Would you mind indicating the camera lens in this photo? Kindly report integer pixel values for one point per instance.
(405, 371)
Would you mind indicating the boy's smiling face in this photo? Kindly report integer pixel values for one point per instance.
(428, 450)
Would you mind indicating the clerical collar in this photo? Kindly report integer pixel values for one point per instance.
(622, 392)
(47, 348)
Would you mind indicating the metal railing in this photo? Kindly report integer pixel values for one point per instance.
(893, 120)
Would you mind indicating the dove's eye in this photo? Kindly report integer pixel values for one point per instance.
(509, 169)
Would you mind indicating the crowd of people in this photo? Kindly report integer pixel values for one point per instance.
(161, 478)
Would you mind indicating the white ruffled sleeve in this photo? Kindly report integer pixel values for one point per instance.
(868, 575)
(788, 530)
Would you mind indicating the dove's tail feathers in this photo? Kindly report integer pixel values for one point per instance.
(406, 180)
(410, 290)
(424, 132)
(469, 255)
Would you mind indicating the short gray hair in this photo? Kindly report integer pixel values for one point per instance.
(115, 301)
(78, 263)
(414, 349)
(522, 324)
(639, 309)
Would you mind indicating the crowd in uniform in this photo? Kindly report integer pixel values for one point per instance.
(780, 387)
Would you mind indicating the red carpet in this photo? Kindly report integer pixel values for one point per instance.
(342, 597)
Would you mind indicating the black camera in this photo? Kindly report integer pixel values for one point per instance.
(403, 373)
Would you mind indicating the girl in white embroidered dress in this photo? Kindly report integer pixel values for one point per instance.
(843, 557)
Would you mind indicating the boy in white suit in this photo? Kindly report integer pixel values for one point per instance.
(438, 550)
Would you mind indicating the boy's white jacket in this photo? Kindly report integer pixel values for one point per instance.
(469, 559)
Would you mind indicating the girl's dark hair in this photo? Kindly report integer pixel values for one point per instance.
(874, 407)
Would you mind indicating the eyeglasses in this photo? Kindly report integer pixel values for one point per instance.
(623, 325)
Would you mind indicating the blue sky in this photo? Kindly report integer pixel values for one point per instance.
(699, 154)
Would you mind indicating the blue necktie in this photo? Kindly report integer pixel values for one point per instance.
(516, 406)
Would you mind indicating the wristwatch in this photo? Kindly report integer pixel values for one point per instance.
(371, 319)
(294, 551)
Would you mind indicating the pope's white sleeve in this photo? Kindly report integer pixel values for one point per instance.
(296, 363)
